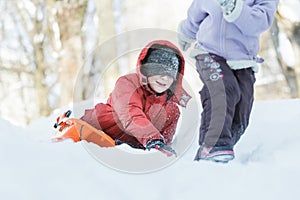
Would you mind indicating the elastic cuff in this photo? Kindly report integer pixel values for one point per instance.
(185, 36)
(144, 141)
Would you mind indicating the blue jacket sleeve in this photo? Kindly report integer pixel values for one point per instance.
(253, 19)
(189, 27)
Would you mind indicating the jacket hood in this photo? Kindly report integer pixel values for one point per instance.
(179, 95)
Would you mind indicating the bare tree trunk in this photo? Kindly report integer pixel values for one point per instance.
(106, 32)
(70, 18)
(37, 36)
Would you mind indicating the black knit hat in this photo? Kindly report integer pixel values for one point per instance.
(161, 60)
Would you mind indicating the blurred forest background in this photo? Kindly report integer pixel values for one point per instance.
(44, 44)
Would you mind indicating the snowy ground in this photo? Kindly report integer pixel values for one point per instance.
(267, 165)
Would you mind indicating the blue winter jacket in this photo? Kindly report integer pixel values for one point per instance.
(234, 36)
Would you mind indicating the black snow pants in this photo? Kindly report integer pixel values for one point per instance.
(227, 97)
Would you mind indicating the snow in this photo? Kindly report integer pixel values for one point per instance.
(266, 165)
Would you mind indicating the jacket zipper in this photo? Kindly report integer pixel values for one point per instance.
(222, 37)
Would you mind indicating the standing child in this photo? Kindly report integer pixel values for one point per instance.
(142, 110)
(227, 34)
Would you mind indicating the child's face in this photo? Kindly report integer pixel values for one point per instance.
(160, 83)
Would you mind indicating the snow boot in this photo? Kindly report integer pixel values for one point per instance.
(222, 154)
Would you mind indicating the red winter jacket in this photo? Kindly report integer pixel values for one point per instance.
(134, 114)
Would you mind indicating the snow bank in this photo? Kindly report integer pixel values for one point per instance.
(266, 165)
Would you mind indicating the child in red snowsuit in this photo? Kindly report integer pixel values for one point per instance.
(142, 110)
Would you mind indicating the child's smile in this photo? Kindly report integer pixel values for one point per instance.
(160, 83)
